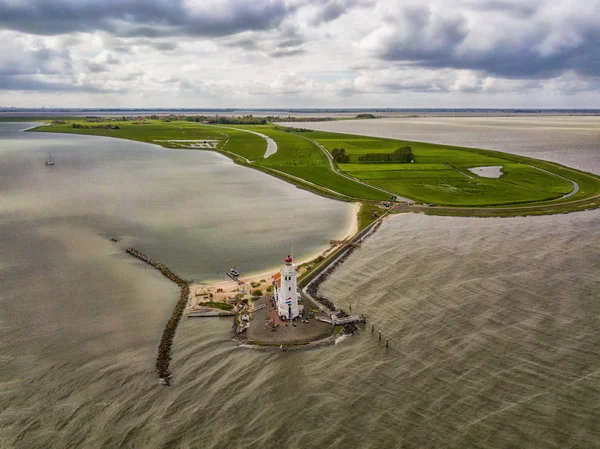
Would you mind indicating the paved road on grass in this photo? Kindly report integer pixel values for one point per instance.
(336, 170)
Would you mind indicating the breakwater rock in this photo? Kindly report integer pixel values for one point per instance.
(313, 287)
(313, 290)
(163, 358)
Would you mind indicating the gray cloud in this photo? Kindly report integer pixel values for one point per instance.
(286, 42)
(284, 52)
(96, 67)
(248, 43)
(320, 49)
(17, 60)
(44, 69)
(150, 18)
(530, 41)
(516, 9)
(32, 84)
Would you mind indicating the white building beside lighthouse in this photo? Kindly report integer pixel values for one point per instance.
(286, 293)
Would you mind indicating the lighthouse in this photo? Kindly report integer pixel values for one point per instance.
(286, 294)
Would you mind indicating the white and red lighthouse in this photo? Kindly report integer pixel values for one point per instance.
(286, 293)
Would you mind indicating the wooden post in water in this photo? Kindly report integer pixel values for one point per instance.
(379, 335)
(387, 345)
(350, 307)
(372, 328)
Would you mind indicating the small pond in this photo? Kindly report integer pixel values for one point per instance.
(493, 171)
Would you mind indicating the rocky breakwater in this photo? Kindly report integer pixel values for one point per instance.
(313, 287)
(313, 290)
(163, 357)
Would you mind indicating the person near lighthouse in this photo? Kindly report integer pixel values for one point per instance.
(286, 293)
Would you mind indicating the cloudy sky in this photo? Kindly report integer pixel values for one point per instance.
(300, 53)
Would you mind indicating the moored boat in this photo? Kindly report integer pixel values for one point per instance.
(50, 160)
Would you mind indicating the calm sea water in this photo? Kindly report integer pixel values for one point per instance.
(493, 323)
(74, 307)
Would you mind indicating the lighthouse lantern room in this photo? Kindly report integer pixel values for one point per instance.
(286, 294)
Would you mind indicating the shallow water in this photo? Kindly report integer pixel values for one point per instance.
(195, 211)
(493, 323)
(80, 319)
(569, 140)
(492, 171)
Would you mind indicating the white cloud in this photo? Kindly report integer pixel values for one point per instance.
(301, 53)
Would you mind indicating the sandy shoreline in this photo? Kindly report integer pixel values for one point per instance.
(202, 292)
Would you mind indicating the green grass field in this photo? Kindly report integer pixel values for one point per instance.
(245, 144)
(438, 175)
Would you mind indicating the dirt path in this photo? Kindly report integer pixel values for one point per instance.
(271, 144)
(575, 184)
(336, 170)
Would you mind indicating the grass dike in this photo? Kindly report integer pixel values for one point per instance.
(163, 357)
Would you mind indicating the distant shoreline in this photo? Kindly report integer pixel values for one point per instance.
(7, 114)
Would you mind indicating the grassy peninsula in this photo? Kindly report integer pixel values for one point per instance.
(438, 178)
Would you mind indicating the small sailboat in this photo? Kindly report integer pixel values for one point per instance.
(50, 161)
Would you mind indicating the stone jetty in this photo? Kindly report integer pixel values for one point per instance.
(313, 290)
(313, 286)
(163, 357)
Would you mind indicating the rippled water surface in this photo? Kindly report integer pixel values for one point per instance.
(80, 320)
(494, 332)
(493, 324)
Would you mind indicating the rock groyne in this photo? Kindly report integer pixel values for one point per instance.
(313, 287)
(163, 357)
(313, 290)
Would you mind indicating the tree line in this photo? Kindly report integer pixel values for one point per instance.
(401, 155)
(242, 120)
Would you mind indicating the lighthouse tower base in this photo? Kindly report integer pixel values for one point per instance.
(313, 330)
(286, 291)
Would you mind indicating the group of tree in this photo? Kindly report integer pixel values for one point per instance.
(289, 118)
(287, 129)
(340, 156)
(222, 120)
(401, 155)
(101, 126)
(366, 116)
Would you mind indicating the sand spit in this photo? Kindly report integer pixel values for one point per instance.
(225, 291)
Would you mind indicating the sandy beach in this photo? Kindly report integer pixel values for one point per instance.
(226, 290)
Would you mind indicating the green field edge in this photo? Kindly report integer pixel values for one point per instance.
(235, 157)
(579, 201)
(552, 198)
(556, 204)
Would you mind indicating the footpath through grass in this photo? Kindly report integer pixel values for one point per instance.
(301, 158)
(438, 175)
